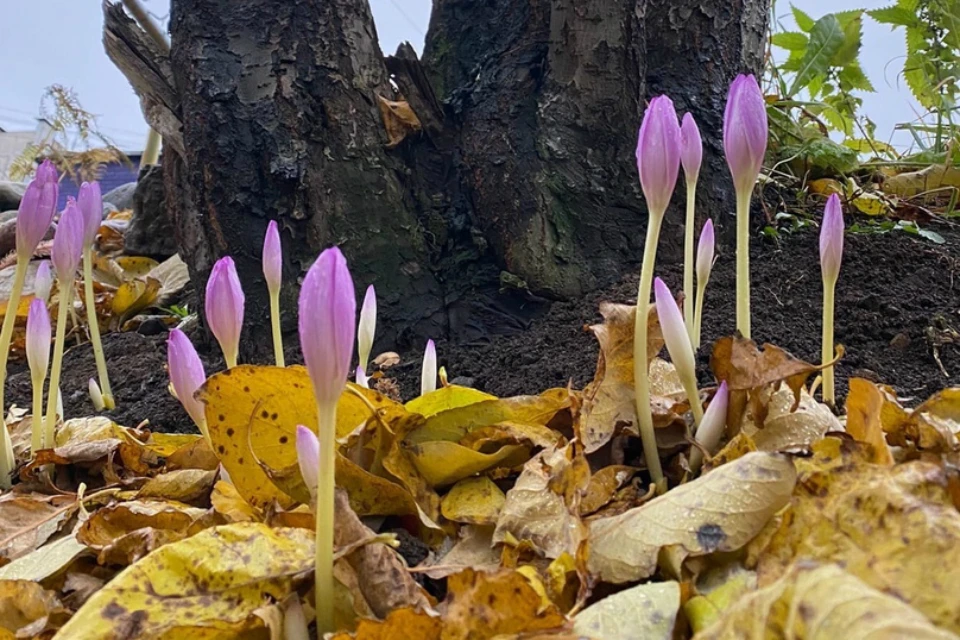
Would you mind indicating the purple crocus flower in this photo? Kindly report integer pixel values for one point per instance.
(224, 308)
(674, 331)
(658, 154)
(272, 257)
(705, 250)
(68, 243)
(745, 131)
(327, 319)
(186, 374)
(831, 238)
(91, 206)
(38, 338)
(691, 148)
(37, 208)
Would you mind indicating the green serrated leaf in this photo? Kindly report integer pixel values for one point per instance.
(826, 38)
(804, 21)
(852, 39)
(895, 16)
(790, 40)
(846, 17)
(852, 78)
(919, 81)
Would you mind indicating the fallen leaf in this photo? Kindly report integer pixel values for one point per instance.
(443, 463)
(27, 610)
(865, 407)
(173, 276)
(609, 401)
(48, 560)
(811, 602)
(26, 522)
(787, 425)
(646, 611)
(473, 501)
(135, 266)
(717, 589)
(912, 183)
(132, 297)
(190, 486)
(208, 586)
(260, 408)
(719, 511)
(228, 502)
(543, 506)
(603, 486)
(399, 624)
(474, 550)
(895, 528)
(445, 399)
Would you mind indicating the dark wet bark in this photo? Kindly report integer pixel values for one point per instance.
(516, 174)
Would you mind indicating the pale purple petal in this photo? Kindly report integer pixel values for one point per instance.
(68, 242)
(674, 331)
(308, 457)
(186, 373)
(831, 238)
(658, 153)
(745, 131)
(705, 250)
(35, 214)
(38, 337)
(224, 306)
(712, 425)
(272, 257)
(691, 148)
(43, 281)
(327, 319)
(91, 206)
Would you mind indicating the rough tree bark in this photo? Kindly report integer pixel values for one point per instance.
(516, 170)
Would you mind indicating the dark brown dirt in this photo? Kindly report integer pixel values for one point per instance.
(894, 291)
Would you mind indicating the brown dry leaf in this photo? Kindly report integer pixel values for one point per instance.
(207, 586)
(196, 454)
(787, 425)
(27, 610)
(720, 511)
(865, 406)
(912, 183)
(399, 624)
(603, 487)
(609, 402)
(747, 370)
(382, 576)
(647, 611)
(932, 427)
(474, 550)
(811, 602)
(894, 528)
(398, 119)
(173, 276)
(28, 521)
(260, 407)
(473, 501)
(543, 506)
(190, 486)
(123, 533)
(228, 502)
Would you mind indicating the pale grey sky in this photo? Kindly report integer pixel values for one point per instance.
(58, 42)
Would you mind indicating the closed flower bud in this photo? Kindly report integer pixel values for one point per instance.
(705, 251)
(658, 154)
(91, 206)
(674, 331)
(368, 326)
(712, 426)
(224, 308)
(831, 239)
(37, 209)
(428, 373)
(272, 257)
(38, 338)
(186, 374)
(691, 148)
(68, 243)
(43, 282)
(96, 396)
(327, 319)
(308, 458)
(745, 131)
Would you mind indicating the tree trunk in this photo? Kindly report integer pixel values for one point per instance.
(505, 159)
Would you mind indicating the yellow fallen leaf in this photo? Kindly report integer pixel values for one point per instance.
(401, 623)
(135, 266)
(473, 501)
(27, 610)
(165, 444)
(825, 186)
(230, 504)
(912, 183)
(813, 602)
(207, 586)
(609, 402)
(646, 611)
(720, 511)
(260, 408)
(865, 406)
(895, 528)
(444, 463)
(191, 486)
(445, 399)
(705, 608)
(132, 297)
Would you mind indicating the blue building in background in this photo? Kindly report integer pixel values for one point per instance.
(112, 175)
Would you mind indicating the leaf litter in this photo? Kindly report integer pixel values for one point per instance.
(464, 515)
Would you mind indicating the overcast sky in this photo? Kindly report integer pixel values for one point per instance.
(58, 42)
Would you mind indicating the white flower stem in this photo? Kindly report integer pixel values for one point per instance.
(275, 321)
(829, 286)
(641, 370)
(37, 440)
(698, 318)
(94, 325)
(743, 263)
(688, 259)
(326, 481)
(66, 300)
(7, 460)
